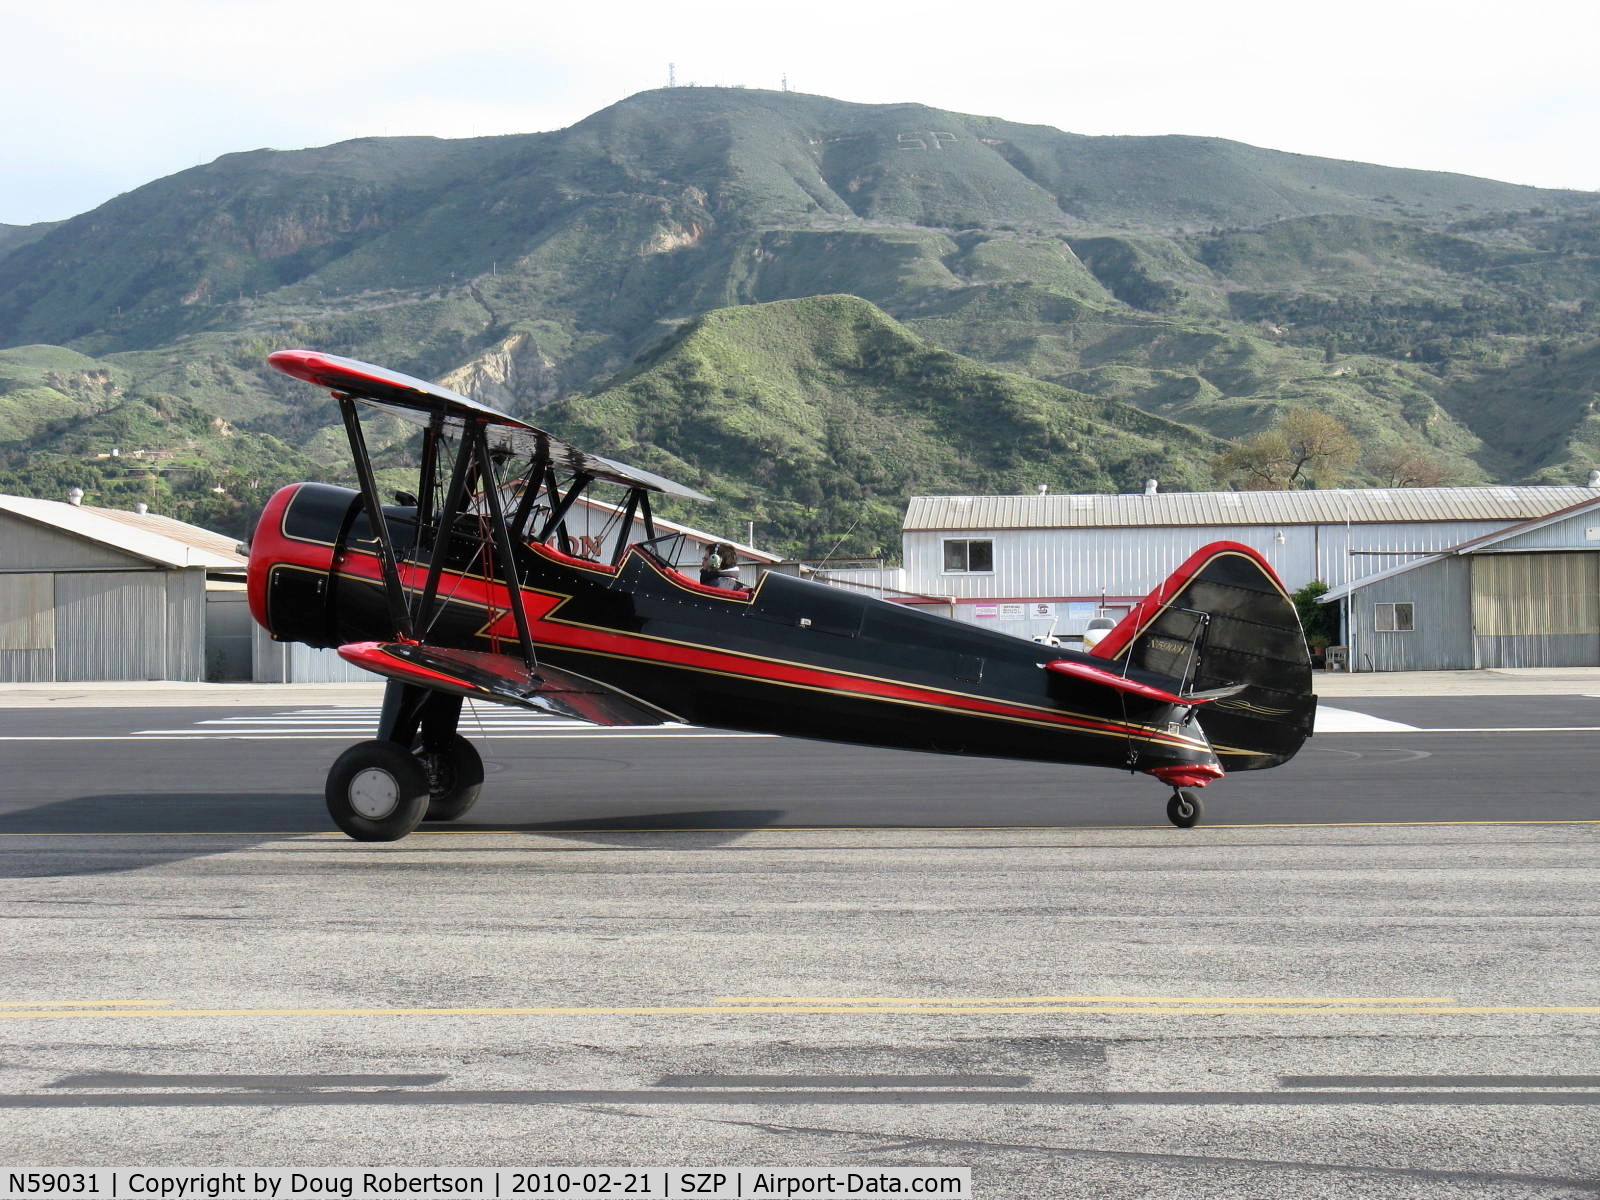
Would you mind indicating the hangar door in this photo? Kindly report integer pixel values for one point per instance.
(27, 628)
(111, 625)
(1536, 610)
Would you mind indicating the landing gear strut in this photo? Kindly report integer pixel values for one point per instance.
(1184, 809)
(417, 769)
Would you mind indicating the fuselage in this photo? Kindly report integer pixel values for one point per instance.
(790, 657)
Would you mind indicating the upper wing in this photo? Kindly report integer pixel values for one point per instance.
(504, 680)
(416, 400)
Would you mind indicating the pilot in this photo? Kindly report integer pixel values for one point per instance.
(720, 567)
(710, 564)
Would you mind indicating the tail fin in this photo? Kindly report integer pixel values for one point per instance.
(1223, 619)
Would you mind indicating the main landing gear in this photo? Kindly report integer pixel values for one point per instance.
(417, 769)
(1184, 809)
(455, 777)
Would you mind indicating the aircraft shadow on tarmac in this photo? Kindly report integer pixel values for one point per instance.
(125, 831)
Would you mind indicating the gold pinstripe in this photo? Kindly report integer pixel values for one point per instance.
(1144, 733)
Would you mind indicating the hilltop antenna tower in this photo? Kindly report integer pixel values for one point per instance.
(786, 81)
(672, 74)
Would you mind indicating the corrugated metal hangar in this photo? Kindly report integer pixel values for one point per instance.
(1037, 564)
(1526, 596)
(1424, 578)
(95, 593)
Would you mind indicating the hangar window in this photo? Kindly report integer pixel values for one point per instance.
(969, 556)
(1393, 618)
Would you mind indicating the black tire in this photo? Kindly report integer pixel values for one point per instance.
(1184, 809)
(377, 792)
(455, 777)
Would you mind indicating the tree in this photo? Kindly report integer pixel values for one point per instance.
(1404, 465)
(1304, 448)
(1317, 620)
(1259, 462)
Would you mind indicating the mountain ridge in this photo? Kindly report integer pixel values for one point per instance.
(1192, 279)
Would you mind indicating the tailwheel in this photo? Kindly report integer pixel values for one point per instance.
(455, 777)
(1184, 809)
(377, 792)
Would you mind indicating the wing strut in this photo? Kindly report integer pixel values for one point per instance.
(625, 526)
(644, 511)
(428, 476)
(392, 590)
(455, 495)
(556, 521)
(502, 543)
(531, 487)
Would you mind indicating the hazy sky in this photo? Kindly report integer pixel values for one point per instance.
(101, 96)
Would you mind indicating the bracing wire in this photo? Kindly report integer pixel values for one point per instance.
(441, 602)
(842, 537)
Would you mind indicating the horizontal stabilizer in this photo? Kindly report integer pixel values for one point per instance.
(503, 680)
(1093, 674)
(1218, 693)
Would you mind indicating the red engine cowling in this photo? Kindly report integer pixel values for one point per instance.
(292, 555)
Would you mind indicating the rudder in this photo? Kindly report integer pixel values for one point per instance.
(1220, 620)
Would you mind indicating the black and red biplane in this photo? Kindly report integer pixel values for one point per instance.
(471, 587)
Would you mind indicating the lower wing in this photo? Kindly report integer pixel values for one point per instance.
(504, 680)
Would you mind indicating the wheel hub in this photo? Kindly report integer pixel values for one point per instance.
(374, 793)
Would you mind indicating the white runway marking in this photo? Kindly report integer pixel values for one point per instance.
(354, 724)
(1343, 720)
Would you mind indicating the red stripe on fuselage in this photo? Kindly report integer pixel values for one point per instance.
(540, 606)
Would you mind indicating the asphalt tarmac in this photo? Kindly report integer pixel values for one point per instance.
(1371, 973)
(247, 770)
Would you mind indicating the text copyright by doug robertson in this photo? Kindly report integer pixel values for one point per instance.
(644, 1183)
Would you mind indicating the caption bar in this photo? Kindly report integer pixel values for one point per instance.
(648, 1183)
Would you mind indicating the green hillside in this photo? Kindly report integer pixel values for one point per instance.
(818, 418)
(14, 236)
(41, 384)
(68, 421)
(588, 216)
(1192, 279)
(1543, 410)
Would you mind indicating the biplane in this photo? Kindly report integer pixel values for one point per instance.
(473, 586)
